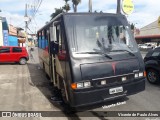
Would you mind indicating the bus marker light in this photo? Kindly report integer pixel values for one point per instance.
(145, 74)
(136, 75)
(103, 82)
(74, 85)
(124, 79)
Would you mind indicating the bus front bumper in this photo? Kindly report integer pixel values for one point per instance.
(85, 98)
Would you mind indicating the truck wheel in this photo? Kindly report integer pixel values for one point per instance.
(22, 61)
(153, 76)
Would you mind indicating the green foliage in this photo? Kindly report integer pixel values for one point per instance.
(66, 1)
(57, 11)
(66, 7)
(132, 26)
(62, 9)
(75, 4)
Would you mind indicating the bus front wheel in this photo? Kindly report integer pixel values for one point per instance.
(67, 108)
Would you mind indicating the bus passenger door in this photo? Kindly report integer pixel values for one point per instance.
(59, 57)
(52, 56)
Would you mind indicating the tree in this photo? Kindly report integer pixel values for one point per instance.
(132, 26)
(66, 7)
(57, 11)
(75, 4)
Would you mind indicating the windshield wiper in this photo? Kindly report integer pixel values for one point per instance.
(105, 55)
(95, 53)
(123, 50)
(102, 53)
(87, 53)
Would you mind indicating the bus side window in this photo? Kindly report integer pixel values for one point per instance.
(60, 38)
(40, 39)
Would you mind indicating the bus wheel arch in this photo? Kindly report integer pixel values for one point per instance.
(64, 93)
(62, 86)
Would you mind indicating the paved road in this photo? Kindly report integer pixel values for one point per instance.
(25, 88)
(143, 54)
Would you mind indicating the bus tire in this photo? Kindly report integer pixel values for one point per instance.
(67, 108)
(47, 76)
(44, 67)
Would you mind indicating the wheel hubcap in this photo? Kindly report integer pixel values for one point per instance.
(23, 61)
(152, 76)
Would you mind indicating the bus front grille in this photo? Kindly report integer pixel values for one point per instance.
(114, 80)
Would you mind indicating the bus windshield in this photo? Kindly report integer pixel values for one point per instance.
(95, 33)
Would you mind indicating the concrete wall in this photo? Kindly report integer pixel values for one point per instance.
(12, 30)
(1, 33)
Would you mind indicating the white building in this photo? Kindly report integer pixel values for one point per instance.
(1, 33)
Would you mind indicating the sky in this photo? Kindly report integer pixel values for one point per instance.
(145, 11)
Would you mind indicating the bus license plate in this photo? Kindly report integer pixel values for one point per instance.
(115, 90)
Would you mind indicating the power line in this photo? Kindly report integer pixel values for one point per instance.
(30, 30)
(36, 10)
(33, 9)
(35, 21)
(33, 25)
(40, 2)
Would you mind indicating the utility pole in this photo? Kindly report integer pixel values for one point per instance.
(26, 26)
(118, 6)
(90, 5)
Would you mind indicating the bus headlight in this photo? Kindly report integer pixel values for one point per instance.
(81, 85)
(141, 74)
(87, 84)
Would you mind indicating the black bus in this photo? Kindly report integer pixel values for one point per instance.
(91, 57)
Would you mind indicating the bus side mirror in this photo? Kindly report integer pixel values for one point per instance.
(54, 47)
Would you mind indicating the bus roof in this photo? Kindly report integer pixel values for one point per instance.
(63, 14)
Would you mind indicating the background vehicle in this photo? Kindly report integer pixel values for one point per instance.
(13, 54)
(146, 46)
(152, 65)
(139, 45)
(91, 57)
